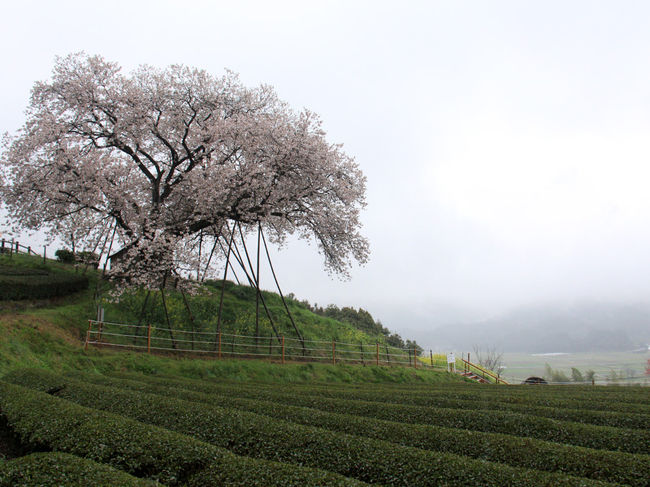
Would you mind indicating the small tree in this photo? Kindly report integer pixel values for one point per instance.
(576, 375)
(490, 359)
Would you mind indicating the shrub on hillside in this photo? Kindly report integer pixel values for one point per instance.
(65, 255)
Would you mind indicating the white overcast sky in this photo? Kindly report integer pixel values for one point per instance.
(506, 144)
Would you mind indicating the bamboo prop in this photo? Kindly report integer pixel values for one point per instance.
(99, 239)
(232, 269)
(191, 316)
(214, 246)
(223, 285)
(164, 303)
(284, 302)
(240, 261)
(257, 296)
(250, 265)
(198, 265)
(141, 317)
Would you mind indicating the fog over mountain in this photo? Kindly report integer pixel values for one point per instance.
(578, 327)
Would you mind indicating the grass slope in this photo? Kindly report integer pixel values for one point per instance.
(49, 333)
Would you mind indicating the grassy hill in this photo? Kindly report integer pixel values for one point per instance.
(49, 333)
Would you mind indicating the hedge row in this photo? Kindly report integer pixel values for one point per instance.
(62, 469)
(631, 395)
(40, 286)
(478, 395)
(626, 393)
(509, 423)
(45, 422)
(515, 451)
(599, 418)
(246, 433)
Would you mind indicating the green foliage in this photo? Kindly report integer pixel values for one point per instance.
(28, 278)
(576, 375)
(65, 255)
(88, 258)
(251, 434)
(59, 469)
(43, 421)
(437, 396)
(553, 375)
(507, 449)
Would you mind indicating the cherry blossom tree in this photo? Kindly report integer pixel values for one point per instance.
(171, 158)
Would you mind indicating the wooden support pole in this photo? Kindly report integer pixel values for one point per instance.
(149, 338)
(431, 354)
(334, 352)
(90, 324)
(282, 349)
(377, 357)
(219, 344)
(44, 253)
(415, 358)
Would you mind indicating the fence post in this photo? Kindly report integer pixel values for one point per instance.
(219, 353)
(3, 245)
(415, 358)
(149, 338)
(29, 250)
(377, 354)
(17, 247)
(431, 354)
(90, 324)
(282, 349)
(44, 253)
(334, 352)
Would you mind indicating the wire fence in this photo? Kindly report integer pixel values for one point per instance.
(151, 339)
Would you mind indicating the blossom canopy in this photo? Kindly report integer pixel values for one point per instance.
(164, 155)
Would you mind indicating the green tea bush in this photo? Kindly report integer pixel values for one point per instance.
(510, 423)
(516, 451)
(295, 394)
(246, 433)
(61, 469)
(65, 255)
(45, 422)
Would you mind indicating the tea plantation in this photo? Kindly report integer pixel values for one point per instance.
(168, 430)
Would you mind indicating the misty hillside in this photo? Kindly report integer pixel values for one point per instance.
(556, 328)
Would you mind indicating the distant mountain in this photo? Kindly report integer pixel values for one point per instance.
(583, 327)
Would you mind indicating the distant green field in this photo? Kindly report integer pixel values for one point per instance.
(629, 367)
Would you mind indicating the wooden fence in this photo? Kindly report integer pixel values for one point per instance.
(150, 339)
